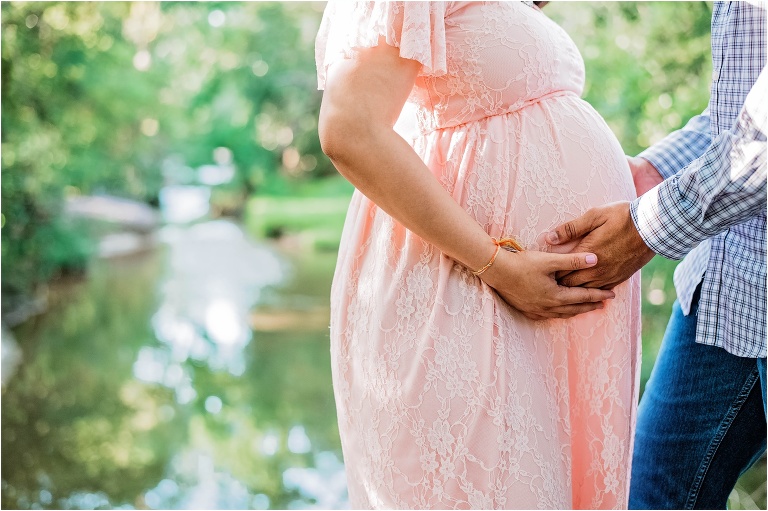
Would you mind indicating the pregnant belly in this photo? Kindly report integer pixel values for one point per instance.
(523, 173)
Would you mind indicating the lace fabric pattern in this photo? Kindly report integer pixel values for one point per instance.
(447, 397)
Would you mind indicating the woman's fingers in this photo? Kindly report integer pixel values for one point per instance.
(535, 292)
(566, 311)
(571, 262)
(579, 308)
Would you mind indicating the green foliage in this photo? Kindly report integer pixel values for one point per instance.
(648, 64)
(99, 97)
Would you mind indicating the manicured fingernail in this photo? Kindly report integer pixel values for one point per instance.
(552, 237)
(591, 258)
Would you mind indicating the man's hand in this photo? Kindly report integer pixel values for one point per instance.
(609, 232)
(644, 174)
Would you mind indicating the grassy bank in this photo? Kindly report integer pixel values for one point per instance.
(310, 213)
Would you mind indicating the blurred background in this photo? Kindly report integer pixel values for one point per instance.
(169, 232)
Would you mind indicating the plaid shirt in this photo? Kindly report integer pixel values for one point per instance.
(712, 204)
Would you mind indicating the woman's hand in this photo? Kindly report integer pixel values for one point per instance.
(526, 281)
(362, 101)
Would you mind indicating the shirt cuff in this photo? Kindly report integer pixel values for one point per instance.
(662, 221)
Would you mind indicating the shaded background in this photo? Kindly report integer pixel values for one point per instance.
(169, 232)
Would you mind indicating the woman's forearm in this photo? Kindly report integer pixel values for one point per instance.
(386, 170)
(362, 101)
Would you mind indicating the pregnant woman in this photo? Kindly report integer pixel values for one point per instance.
(464, 376)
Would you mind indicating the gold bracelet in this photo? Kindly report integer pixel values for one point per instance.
(493, 259)
(508, 243)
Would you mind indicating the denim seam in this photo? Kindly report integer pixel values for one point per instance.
(725, 425)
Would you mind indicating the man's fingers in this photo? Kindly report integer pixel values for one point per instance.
(577, 278)
(590, 277)
(571, 262)
(575, 229)
(580, 295)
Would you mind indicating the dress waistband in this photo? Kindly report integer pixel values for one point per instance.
(516, 107)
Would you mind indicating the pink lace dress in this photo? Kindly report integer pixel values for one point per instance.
(447, 397)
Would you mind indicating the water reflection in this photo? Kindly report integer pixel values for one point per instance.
(215, 277)
(145, 386)
(10, 355)
(184, 203)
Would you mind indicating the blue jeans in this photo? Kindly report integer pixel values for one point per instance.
(701, 422)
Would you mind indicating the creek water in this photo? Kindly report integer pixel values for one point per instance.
(193, 376)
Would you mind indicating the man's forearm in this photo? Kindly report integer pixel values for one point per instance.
(722, 188)
(678, 149)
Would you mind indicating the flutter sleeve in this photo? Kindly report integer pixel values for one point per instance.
(417, 29)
